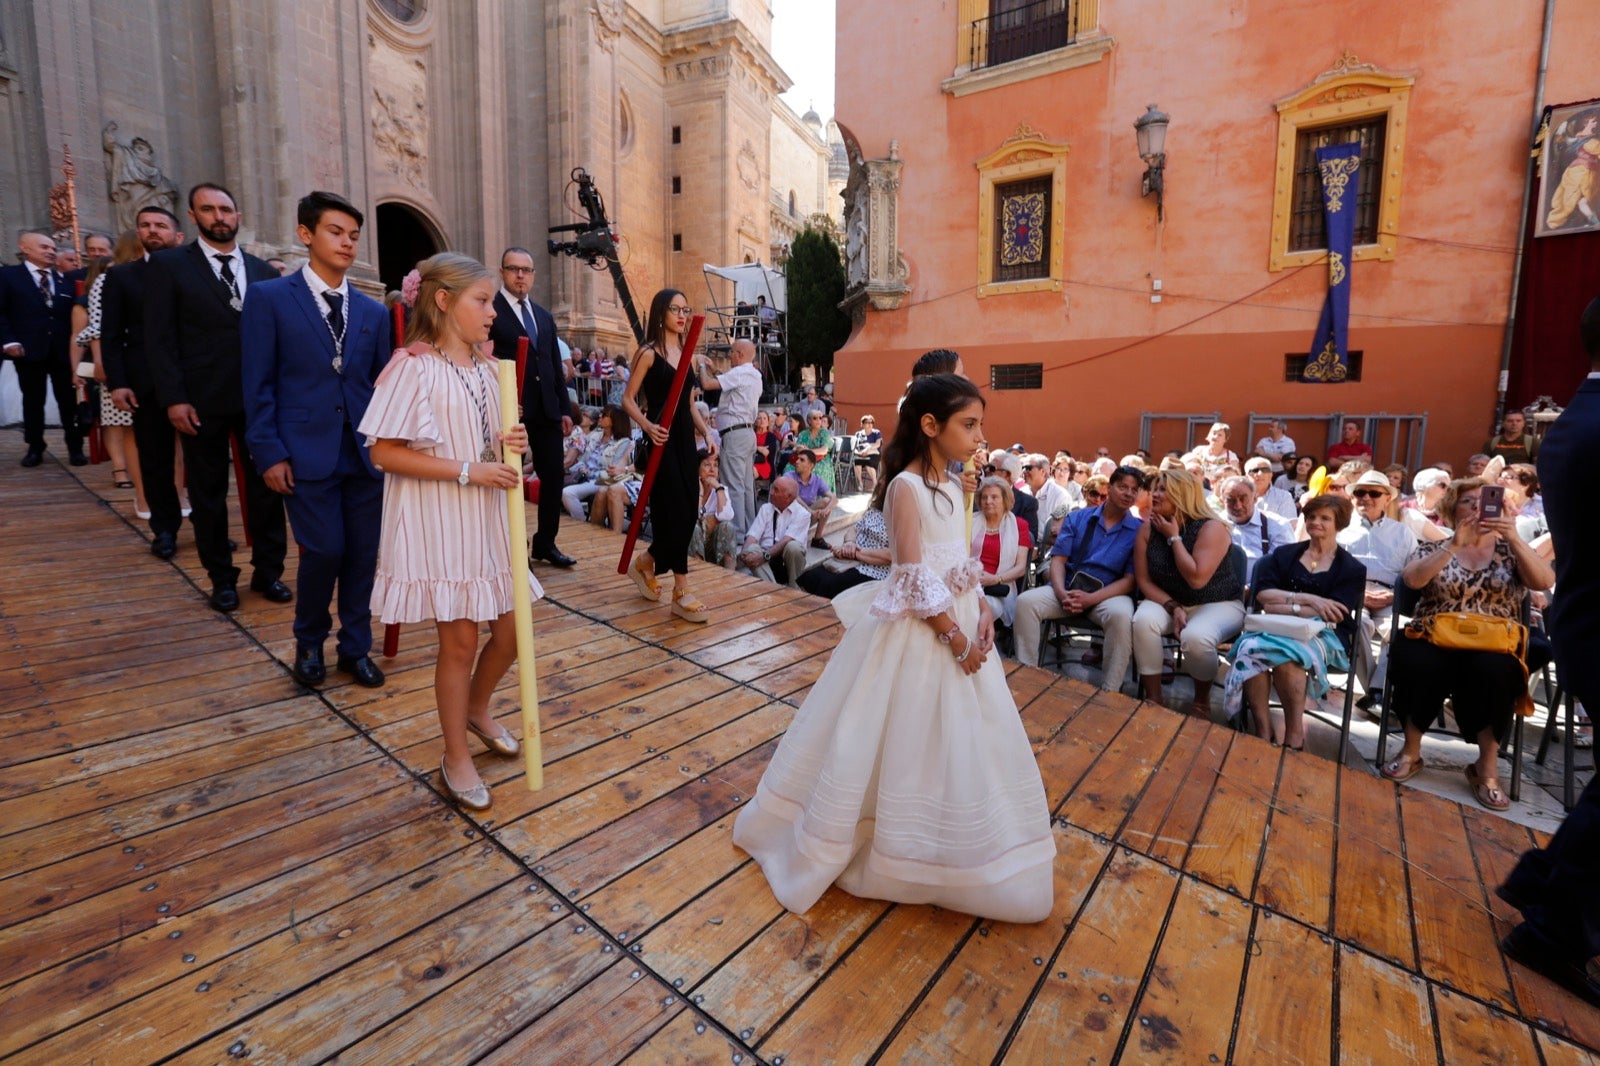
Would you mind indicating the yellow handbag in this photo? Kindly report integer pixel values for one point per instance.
(1464, 631)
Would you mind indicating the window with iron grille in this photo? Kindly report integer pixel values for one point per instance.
(1016, 29)
(1022, 217)
(1294, 364)
(1003, 376)
(1308, 229)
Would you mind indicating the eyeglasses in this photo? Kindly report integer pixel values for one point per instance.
(1368, 494)
(677, 310)
(517, 270)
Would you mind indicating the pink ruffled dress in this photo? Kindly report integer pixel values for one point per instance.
(901, 777)
(444, 551)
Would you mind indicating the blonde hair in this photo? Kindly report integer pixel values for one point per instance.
(449, 272)
(1186, 494)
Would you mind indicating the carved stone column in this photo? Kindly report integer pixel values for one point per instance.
(875, 269)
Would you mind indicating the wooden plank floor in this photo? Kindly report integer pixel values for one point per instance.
(204, 862)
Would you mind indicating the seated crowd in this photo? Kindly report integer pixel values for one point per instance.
(1283, 565)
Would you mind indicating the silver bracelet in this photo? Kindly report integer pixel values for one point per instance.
(965, 652)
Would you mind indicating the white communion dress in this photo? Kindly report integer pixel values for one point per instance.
(901, 777)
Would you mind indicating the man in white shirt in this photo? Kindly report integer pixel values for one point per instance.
(1383, 545)
(1053, 500)
(775, 548)
(1257, 531)
(740, 395)
(1275, 445)
(1268, 496)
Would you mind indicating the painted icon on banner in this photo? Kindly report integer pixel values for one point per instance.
(1569, 180)
(1022, 239)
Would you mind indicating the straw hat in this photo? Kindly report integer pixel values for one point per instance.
(1373, 479)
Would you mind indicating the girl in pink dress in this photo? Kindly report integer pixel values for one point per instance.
(444, 551)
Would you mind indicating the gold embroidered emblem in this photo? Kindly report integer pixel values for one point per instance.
(1336, 175)
(1326, 367)
(1336, 270)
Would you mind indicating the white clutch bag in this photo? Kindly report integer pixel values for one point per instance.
(1301, 629)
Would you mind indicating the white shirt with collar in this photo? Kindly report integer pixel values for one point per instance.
(236, 257)
(319, 288)
(47, 275)
(1248, 535)
(516, 303)
(1383, 546)
(1278, 502)
(741, 395)
(772, 525)
(1052, 499)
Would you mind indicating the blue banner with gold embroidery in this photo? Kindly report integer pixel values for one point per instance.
(1339, 166)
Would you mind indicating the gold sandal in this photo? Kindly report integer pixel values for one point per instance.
(686, 607)
(644, 581)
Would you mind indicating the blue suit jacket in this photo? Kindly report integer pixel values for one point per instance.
(1566, 477)
(295, 403)
(42, 331)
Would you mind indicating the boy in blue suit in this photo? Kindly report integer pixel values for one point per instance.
(313, 346)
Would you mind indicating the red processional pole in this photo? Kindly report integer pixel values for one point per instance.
(239, 480)
(654, 463)
(522, 376)
(391, 632)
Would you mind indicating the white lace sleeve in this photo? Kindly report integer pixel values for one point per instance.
(911, 591)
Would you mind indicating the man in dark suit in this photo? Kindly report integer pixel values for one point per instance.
(194, 296)
(546, 409)
(35, 333)
(313, 346)
(1557, 888)
(132, 385)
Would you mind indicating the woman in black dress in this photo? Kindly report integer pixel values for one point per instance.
(675, 493)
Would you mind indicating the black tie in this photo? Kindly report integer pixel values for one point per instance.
(335, 314)
(44, 289)
(228, 277)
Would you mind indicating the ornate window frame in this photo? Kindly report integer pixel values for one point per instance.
(1350, 91)
(1026, 154)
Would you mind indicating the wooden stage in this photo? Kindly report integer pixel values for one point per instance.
(204, 862)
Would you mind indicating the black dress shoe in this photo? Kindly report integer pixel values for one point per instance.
(232, 545)
(308, 667)
(34, 457)
(363, 670)
(77, 458)
(1581, 977)
(274, 590)
(554, 556)
(164, 546)
(224, 598)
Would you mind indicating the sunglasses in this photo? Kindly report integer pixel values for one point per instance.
(1368, 494)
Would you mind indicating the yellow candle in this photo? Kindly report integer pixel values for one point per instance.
(522, 599)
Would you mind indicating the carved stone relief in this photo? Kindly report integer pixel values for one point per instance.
(609, 16)
(399, 113)
(133, 178)
(749, 166)
(876, 273)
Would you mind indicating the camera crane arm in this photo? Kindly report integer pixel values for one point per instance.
(595, 241)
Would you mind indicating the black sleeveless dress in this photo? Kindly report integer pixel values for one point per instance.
(675, 494)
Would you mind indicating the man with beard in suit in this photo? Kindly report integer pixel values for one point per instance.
(546, 408)
(129, 377)
(35, 333)
(194, 298)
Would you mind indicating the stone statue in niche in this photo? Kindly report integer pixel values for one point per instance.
(855, 240)
(134, 180)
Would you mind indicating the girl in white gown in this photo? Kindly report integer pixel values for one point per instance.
(906, 775)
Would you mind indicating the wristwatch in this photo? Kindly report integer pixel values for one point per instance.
(948, 636)
(461, 478)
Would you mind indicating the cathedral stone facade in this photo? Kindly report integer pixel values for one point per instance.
(455, 123)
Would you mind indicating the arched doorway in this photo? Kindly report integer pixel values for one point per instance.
(404, 238)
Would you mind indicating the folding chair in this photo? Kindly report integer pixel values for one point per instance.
(1405, 603)
(1559, 699)
(1349, 689)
